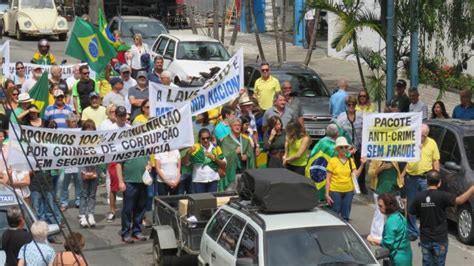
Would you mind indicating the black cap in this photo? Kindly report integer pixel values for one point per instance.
(120, 111)
(401, 83)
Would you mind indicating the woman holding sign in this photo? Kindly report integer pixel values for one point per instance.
(341, 172)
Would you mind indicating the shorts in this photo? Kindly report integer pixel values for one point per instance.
(114, 182)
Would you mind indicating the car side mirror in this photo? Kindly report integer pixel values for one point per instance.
(244, 262)
(452, 166)
(53, 229)
(382, 253)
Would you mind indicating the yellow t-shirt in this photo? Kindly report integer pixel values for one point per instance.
(97, 115)
(265, 90)
(365, 109)
(141, 119)
(429, 153)
(341, 179)
(293, 148)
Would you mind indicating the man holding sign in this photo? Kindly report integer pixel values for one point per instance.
(415, 173)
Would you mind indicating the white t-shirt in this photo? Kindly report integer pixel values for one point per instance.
(131, 82)
(19, 175)
(169, 164)
(137, 53)
(29, 83)
(205, 174)
(107, 124)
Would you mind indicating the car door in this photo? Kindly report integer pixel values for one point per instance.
(212, 233)
(227, 243)
(12, 13)
(169, 57)
(248, 252)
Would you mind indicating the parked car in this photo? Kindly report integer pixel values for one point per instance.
(455, 139)
(3, 10)
(8, 200)
(307, 86)
(36, 18)
(186, 55)
(149, 28)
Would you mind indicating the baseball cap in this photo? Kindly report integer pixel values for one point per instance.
(115, 80)
(120, 111)
(36, 67)
(401, 83)
(141, 74)
(125, 68)
(93, 94)
(58, 93)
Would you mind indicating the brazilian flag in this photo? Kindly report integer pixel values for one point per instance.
(117, 44)
(87, 43)
(40, 94)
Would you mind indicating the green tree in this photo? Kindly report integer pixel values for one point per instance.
(353, 16)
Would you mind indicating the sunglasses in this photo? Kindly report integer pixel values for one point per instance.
(126, 72)
(85, 73)
(350, 104)
(20, 68)
(15, 94)
(343, 147)
(265, 69)
(206, 138)
(288, 87)
(147, 107)
(362, 96)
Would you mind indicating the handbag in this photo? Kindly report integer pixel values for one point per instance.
(146, 178)
(354, 179)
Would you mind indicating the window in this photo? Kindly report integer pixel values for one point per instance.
(217, 223)
(231, 234)
(202, 51)
(161, 46)
(436, 133)
(15, 4)
(449, 150)
(469, 148)
(247, 74)
(170, 50)
(248, 247)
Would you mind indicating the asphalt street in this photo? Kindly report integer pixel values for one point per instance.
(103, 243)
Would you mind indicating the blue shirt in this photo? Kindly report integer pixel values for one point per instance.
(337, 102)
(30, 254)
(53, 112)
(221, 131)
(460, 112)
(153, 77)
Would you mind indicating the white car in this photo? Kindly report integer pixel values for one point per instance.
(185, 55)
(34, 17)
(238, 236)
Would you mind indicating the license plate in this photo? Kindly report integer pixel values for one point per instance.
(45, 31)
(317, 132)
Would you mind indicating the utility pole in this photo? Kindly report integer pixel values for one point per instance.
(390, 49)
(414, 44)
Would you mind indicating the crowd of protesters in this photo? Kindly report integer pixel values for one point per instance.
(266, 122)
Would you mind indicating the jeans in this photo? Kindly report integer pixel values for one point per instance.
(342, 203)
(58, 181)
(88, 195)
(40, 205)
(413, 185)
(77, 189)
(186, 183)
(133, 211)
(164, 189)
(434, 253)
(205, 187)
(151, 190)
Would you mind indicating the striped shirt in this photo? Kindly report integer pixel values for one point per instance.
(54, 112)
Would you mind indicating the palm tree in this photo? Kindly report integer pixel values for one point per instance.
(352, 17)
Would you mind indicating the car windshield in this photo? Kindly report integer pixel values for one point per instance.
(147, 29)
(36, 4)
(328, 245)
(303, 84)
(469, 148)
(202, 51)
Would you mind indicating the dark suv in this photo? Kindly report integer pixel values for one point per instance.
(455, 139)
(307, 86)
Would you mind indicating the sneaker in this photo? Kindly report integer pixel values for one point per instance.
(83, 221)
(128, 239)
(139, 237)
(91, 220)
(110, 217)
(118, 198)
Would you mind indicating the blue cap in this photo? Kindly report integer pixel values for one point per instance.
(115, 80)
(93, 94)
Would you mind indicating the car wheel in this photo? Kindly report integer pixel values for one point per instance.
(19, 35)
(161, 257)
(62, 37)
(465, 225)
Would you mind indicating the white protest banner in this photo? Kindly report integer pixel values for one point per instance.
(223, 87)
(392, 136)
(67, 70)
(55, 149)
(5, 54)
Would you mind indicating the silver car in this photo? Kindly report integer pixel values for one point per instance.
(307, 86)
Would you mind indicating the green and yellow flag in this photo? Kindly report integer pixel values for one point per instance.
(88, 44)
(40, 93)
(105, 30)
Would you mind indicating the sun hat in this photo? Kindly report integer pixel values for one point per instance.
(341, 141)
(245, 100)
(58, 93)
(24, 98)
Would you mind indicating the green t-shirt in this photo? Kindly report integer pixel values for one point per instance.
(387, 181)
(133, 169)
